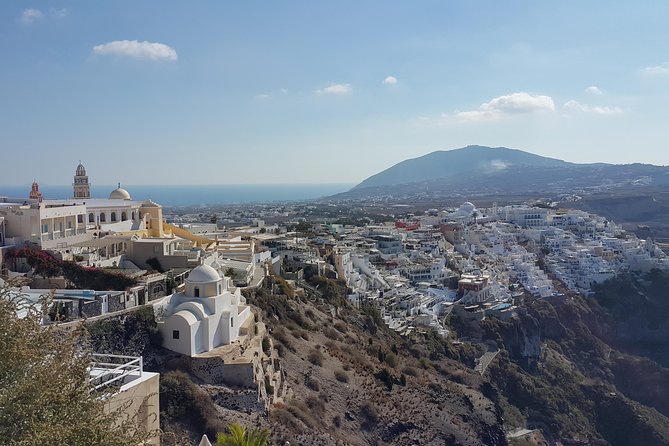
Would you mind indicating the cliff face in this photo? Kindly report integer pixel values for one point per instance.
(636, 310)
(576, 385)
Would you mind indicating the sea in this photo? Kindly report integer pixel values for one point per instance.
(195, 195)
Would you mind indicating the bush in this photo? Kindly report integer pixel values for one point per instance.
(302, 413)
(311, 383)
(341, 376)
(266, 345)
(369, 415)
(331, 333)
(411, 371)
(316, 405)
(341, 327)
(182, 400)
(391, 360)
(281, 336)
(386, 378)
(316, 358)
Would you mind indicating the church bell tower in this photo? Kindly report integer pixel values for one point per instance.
(81, 187)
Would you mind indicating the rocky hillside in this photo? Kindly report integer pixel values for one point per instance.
(355, 382)
(567, 370)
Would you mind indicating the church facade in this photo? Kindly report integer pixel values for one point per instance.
(206, 315)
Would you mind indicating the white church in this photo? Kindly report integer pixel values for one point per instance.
(204, 316)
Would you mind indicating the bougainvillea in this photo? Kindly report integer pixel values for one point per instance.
(46, 265)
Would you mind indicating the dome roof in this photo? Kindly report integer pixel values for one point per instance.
(203, 274)
(467, 206)
(119, 194)
(81, 171)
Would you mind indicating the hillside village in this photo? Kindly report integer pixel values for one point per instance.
(102, 259)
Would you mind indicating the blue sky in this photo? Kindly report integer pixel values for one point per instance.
(166, 92)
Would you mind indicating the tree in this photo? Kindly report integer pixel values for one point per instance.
(45, 394)
(239, 436)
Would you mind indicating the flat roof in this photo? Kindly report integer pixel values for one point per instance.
(95, 202)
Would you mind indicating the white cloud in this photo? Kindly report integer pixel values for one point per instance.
(658, 70)
(594, 90)
(507, 105)
(596, 109)
(136, 49)
(31, 16)
(262, 96)
(339, 89)
(495, 165)
(390, 80)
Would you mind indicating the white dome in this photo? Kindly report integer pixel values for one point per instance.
(467, 206)
(119, 194)
(203, 274)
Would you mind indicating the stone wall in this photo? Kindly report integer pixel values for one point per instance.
(116, 302)
(214, 370)
(90, 309)
(239, 400)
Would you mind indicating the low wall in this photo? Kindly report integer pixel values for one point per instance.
(239, 400)
(215, 371)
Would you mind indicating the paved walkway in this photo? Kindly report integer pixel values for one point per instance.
(484, 361)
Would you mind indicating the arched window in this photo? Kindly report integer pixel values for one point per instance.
(196, 292)
(91, 218)
(113, 216)
(132, 215)
(124, 216)
(103, 217)
(232, 322)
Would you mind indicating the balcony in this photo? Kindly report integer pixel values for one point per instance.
(114, 370)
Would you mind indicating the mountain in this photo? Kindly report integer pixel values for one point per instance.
(487, 171)
(453, 163)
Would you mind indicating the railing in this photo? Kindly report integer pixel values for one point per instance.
(108, 369)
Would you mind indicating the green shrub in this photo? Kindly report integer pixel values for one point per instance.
(391, 359)
(341, 376)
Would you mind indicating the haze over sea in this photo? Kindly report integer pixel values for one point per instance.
(195, 194)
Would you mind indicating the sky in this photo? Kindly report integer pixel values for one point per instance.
(292, 92)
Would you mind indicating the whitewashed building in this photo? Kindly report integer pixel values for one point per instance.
(204, 316)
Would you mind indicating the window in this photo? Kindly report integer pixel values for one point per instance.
(80, 218)
(232, 322)
(45, 228)
(113, 216)
(175, 334)
(69, 224)
(103, 217)
(124, 216)
(132, 215)
(196, 292)
(91, 218)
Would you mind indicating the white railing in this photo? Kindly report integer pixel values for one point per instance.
(107, 369)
